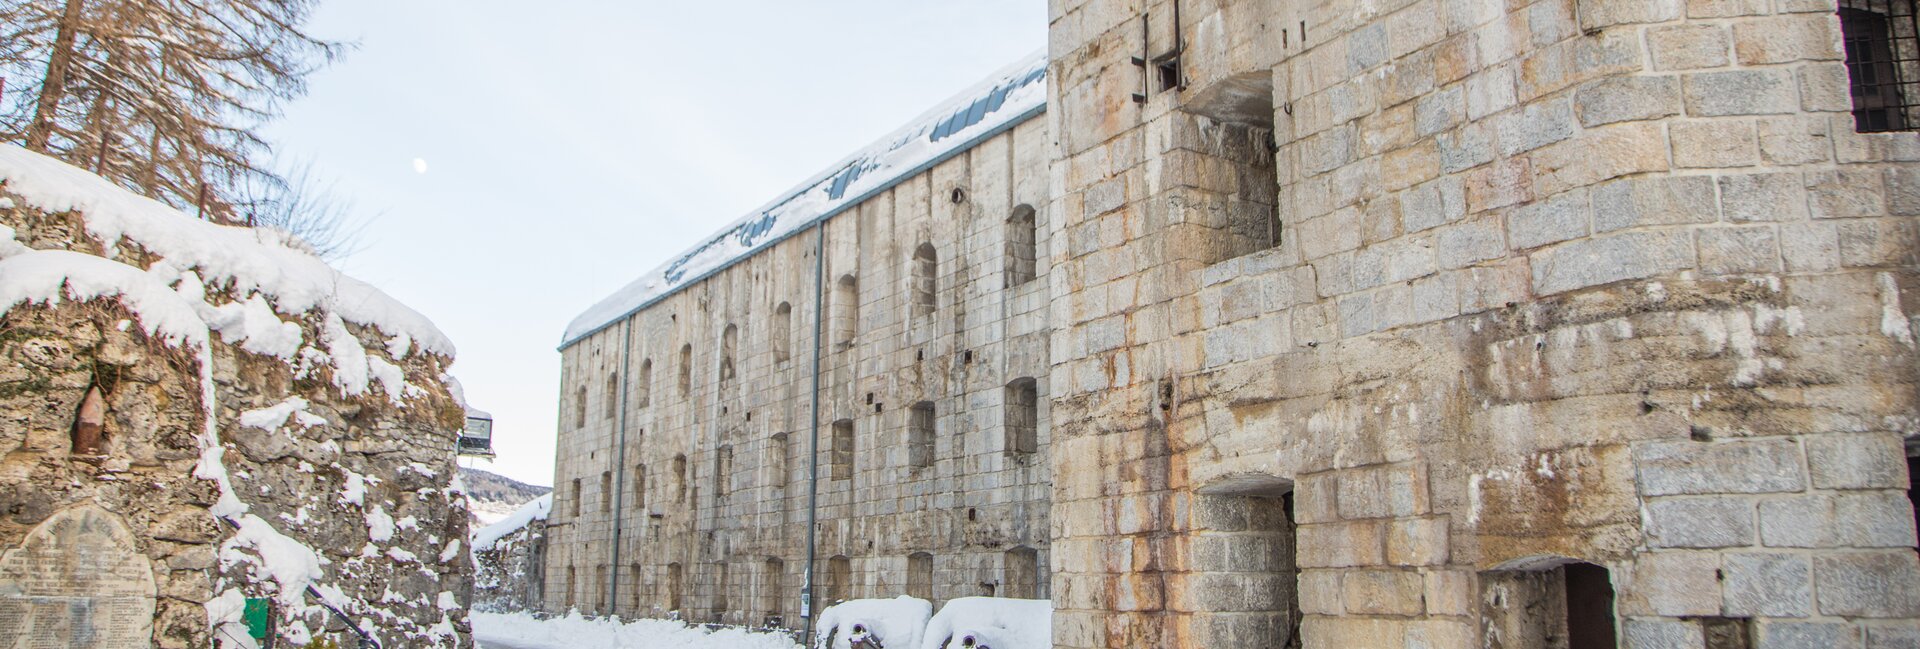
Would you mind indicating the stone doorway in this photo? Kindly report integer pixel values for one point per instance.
(1549, 603)
(1245, 578)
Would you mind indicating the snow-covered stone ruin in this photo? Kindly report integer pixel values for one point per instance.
(211, 437)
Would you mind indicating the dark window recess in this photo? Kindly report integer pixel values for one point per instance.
(1882, 41)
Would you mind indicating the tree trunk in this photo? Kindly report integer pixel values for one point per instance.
(55, 87)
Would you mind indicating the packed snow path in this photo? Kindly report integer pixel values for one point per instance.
(523, 631)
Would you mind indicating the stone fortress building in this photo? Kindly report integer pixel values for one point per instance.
(1402, 323)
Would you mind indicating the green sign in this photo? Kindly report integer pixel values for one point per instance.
(258, 615)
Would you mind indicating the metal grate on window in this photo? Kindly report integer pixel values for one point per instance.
(1882, 39)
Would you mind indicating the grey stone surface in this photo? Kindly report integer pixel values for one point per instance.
(1737, 466)
(1703, 522)
(1769, 585)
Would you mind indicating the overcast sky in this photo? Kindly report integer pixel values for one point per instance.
(571, 146)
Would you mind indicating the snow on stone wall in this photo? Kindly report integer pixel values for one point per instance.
(266, 417)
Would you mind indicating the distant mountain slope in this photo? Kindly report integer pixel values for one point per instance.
(492, 496)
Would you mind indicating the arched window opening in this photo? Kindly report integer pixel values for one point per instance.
(729, 341)
(1548, 599)
(571, 582)
(920, 575)
(773, 578)
(89, 425)
(781, 333)
(842, 460)
(646, 383)
(634, 592)
(676, 586)
(926, 273)
(686, 369)
(580, 408)
(722, 470)
(1022, 246)
(777, 460)
(846, 311)
(606, 491)
(680, 478)
(613, 395)
(920, 434)
(839, 579)
(574, 503)
(599, 597)
(640, 487)
(1021, 566)
(1022, 416)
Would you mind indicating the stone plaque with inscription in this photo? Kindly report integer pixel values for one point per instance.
(77, 581)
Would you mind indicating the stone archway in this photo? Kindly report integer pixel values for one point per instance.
(77, 580)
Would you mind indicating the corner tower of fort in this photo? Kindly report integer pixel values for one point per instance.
(1479, 323)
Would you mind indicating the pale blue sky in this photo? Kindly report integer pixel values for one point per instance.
(572, 146)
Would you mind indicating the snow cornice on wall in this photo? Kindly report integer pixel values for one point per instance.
(1006, 99)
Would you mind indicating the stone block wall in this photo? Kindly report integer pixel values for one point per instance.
(710, 490)
(1559, 284)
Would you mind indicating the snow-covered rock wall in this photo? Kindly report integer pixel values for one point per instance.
(509, 559)
(264, 426)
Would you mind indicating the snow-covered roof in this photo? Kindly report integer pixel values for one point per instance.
(1011, 96)
(534, 510)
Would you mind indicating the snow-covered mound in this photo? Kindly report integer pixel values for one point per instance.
(535, 510)
(893, 622)
(1007, 98)
(991, 622)
(572, 631)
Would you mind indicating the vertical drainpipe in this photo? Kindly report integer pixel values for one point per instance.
(813, 449)
(619, 468)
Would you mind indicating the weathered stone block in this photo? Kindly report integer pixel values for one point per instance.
(1688, 46)
(1600, 154)
(1879, 242)
(1794, 140)
(1810, 247)
(1751, 249)
(1534, 126)
(1773, 585)
(1868, 584)
(1866, 461)
(1603, 260)
(1714, 144)
(1736, 466)
(1622, 99)
(1763, 197)
(1595, 14)
(1786, 38)
(1846, 193)
(1418, 542)
(1673, 584)
(1383, 592)
(1700, 523)
(1553, 220)
(1653, 201)
(1903, 190)
(1741, 92)
(1808, 635)
(1872, 519)
(1652, 633)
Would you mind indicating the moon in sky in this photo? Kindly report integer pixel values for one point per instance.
(419, 165)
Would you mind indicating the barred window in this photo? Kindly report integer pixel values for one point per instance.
(1882, 39)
